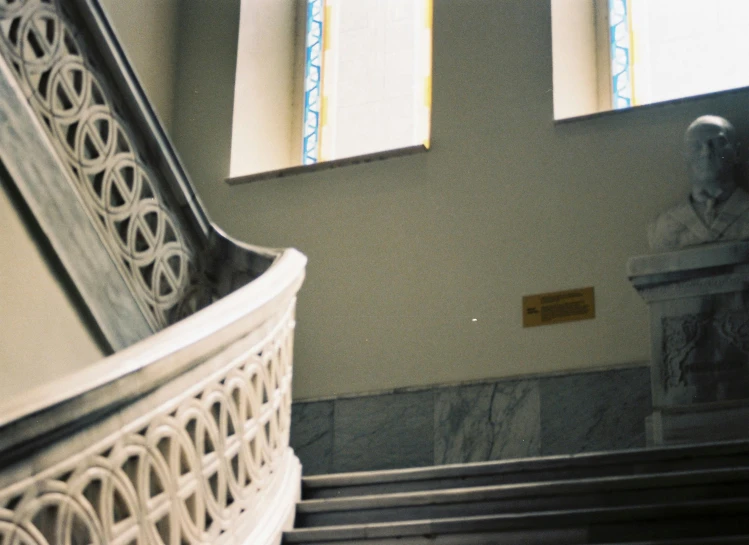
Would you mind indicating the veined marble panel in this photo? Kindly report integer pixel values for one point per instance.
(595, 411)
(383, 431)
(489, 421)
(566, 414)
(312, 436)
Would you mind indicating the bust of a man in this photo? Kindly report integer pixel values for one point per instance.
(716, 208)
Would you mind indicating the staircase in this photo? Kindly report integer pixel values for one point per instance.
(694, 495)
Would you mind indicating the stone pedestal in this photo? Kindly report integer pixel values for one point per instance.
(699, 322)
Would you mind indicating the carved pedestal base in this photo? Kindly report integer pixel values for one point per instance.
(691, 424)
(699, 322)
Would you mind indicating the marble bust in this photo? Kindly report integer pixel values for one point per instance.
(716, 209)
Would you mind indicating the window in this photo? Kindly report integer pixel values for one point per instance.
(633, 52)
(687, 47)
(352, 77)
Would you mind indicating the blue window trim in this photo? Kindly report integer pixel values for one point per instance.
(621, 54)
(312, 82)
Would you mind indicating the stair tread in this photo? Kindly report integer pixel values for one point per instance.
(540, 488)
(723, 540)
(529, 520)
(613, 458)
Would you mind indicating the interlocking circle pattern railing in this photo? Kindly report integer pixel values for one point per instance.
(116, 186)
(188, 472)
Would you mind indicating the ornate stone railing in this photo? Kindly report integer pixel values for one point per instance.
(181, 438)
(88, 155)
(181, 435)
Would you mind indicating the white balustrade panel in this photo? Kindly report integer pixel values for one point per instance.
(206, 466)
(180, 437)
(105, 161)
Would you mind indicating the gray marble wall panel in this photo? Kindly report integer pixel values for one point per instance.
(594, 411)
(312, 436)
(490, 421)
(383, 432)
(493, 420)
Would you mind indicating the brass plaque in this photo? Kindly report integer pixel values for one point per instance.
(558, 307)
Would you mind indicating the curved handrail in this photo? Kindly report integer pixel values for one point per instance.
(143, 367)
(182, 435)
(189, 426)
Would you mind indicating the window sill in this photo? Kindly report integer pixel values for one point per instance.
(651, 106)
(326, 165)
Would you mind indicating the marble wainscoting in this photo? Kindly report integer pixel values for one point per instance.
(491, 420)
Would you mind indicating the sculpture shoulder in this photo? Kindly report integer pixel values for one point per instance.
(669, 231)
(740, 202)
(741, 197)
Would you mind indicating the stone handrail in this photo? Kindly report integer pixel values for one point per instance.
(182, 434)
(181, 438)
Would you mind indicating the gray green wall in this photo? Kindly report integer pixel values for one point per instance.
(148, 31)
(405, 253)
(204, 94)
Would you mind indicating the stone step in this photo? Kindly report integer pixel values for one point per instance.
(506, 539)
(728, 540)
(709, 520)
(534, 496)
(548, 468)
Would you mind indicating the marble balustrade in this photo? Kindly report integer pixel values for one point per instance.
(180, 435)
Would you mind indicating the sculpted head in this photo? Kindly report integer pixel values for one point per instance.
(711, 149)
(717, 210)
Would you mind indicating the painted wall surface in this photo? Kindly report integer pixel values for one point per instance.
(42, 337)
(417, 264)
(264, 104)
(574, 45)
(204, 91)
(148, 31)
